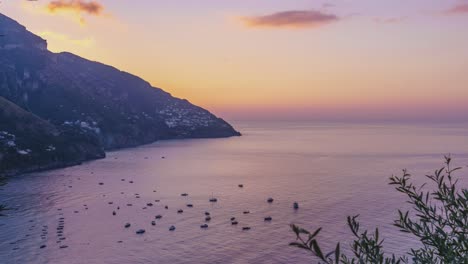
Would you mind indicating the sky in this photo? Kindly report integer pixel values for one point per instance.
(276, 59)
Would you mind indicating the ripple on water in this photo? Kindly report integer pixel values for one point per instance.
(63, 216)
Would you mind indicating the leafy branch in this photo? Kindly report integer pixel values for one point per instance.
(439, 219)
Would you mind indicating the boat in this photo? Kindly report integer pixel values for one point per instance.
(213, 199)
(296, 205)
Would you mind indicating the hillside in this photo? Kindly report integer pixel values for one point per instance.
(113, 108)
(28, 143)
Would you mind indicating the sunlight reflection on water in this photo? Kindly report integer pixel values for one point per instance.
(332, 170)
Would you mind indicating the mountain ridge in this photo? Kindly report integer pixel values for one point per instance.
(114, 108)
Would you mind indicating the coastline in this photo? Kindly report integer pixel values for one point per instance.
(58, 165)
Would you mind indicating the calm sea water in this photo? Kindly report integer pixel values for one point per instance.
(332, 170)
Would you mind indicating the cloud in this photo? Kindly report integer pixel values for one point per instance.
(91, 7)
(78, 7)
(327, 5)
(291, 19)
(458, 9)
(390, 20)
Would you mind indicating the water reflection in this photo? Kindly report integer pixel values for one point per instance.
(331, 170)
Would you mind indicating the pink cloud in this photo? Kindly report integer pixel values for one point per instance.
(458, 9)
(390, 20)
(291, 19)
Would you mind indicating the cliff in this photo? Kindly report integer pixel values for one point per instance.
(110, 108)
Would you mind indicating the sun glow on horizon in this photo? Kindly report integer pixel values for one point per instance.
(359, 59)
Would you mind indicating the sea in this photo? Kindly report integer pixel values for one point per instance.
(332, 170)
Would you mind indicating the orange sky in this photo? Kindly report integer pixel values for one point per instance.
(311, 59)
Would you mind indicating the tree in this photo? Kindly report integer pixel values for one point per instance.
(439, 219)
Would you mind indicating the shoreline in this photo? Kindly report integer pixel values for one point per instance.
(55, 166)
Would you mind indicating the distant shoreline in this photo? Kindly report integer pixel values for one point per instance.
(51, 167)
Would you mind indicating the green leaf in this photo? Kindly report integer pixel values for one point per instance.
(337, 253)
(317, 249)
(315, 233)
(299, 245)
